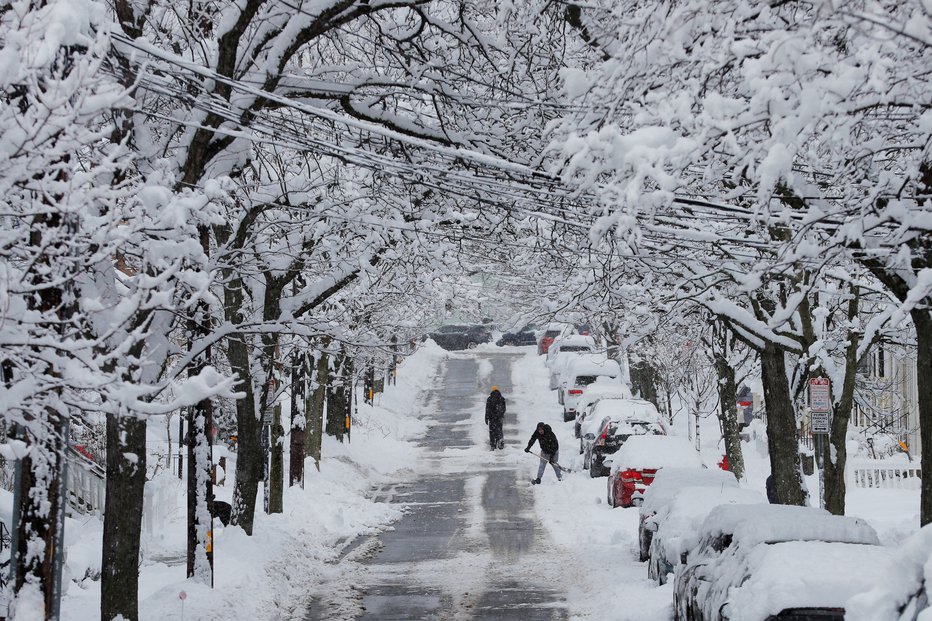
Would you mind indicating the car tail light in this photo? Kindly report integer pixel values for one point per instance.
(601, 439)
(630, 476)
(574, 392)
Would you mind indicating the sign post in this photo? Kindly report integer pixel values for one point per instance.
(820, 417)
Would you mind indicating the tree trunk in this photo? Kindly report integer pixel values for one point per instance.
(781, 427)
(336, 400)
(277, 463)
(833, 466)
(41, 514)
(315, 407)
(126, 480)
(644, 381)
(200, 554)
(728, 412)
(299, 372)
(249, 457)
(922, 321)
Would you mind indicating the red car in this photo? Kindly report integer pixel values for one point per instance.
(546, 339)
(639, 459)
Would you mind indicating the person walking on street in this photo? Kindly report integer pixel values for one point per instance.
(495, 418)
(549, 450)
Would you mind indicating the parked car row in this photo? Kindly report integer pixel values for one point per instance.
(734, 556)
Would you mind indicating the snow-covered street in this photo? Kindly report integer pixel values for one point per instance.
(477, 540)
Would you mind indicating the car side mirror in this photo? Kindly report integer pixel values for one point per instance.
(589, 436)
(607, 461)
(652, 527)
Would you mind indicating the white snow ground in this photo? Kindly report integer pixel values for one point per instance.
(268, 576)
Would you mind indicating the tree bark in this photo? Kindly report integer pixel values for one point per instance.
(299, 372)
(126, 479)
(728, 412)
(41, 512)
(644, 381)
(249, 457)
(834, 464)
(922, 321)
(781, 427)
(316, 406)
(277, 463)
(336, 400)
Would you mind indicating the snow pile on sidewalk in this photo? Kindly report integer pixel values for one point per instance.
(269, 575)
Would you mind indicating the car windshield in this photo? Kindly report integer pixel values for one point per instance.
(451, 329)
(585, 380)
(552, 333)
(574, 348)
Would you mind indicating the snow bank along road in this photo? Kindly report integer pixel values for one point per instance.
(477, 540)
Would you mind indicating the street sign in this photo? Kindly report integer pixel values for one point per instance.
(819, 395)
(821, 422)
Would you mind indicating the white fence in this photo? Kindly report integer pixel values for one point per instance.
(884, 474)
(86, 484)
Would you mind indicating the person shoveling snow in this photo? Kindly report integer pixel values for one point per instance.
(549, 450)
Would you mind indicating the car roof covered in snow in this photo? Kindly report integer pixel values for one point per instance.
(885, 600)
(601, 389)
(753, 524)
(625, 409)
(688, 506)
(653, 452)
(576, 340)
(669, 481)
(593, 365)
(798, 574)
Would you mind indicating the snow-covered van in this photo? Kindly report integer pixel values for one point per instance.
(578, 375)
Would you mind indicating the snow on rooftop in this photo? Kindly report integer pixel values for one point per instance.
(885, 599)
(689, 506)
(796, 574)
(575, 340)
(753, 524)
(603, 388)
(669, 481)
(652, 452)
(593, 364)
(623, 409)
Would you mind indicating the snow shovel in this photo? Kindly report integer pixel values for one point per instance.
(552, 463)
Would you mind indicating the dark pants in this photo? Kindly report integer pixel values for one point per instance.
(495, 432)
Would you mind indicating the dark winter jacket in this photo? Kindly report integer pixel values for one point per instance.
(495, 408)
(771, 490)
(548, 441)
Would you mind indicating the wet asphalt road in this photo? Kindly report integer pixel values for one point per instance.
(469, 545)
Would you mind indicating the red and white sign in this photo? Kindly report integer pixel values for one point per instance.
(820, 395)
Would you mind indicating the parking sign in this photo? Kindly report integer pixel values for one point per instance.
(819, 395)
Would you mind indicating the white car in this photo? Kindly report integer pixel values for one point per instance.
(581, 373)
(595, 392)
(570, 342)
(563, 359)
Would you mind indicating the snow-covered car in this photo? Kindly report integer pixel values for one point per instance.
(595, 392)
(903, 593)
(668, 482)
(636, 463)
(673, 524)
(453, 337)
(548, 334)
(522, 337)
(563, 359)
(570, 343)
(578, 375)
(620, 419)
(761, 562)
